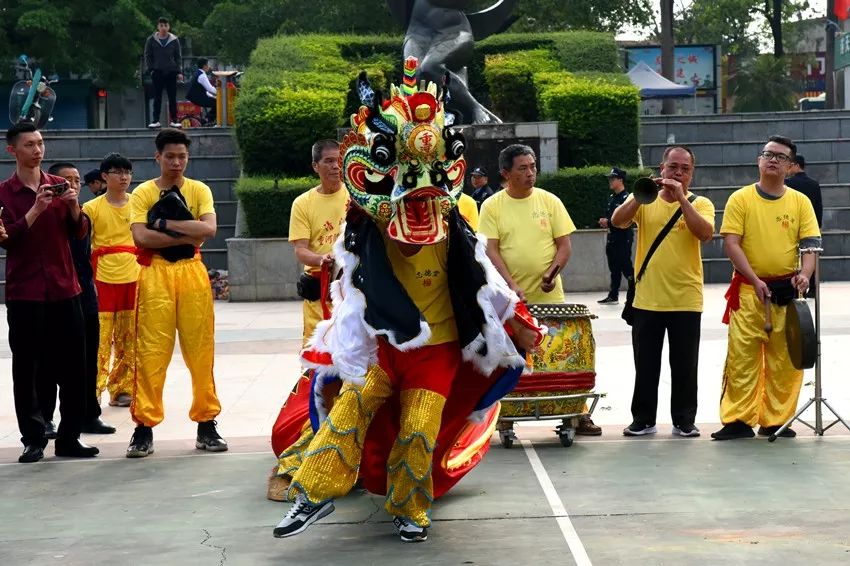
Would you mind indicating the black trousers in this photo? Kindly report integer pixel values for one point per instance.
(47, 383)
(683, 329)
(47, 338)
(168, 81)
(619, 254)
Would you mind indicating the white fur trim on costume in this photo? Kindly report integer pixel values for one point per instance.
(480, 415)
(498, 302)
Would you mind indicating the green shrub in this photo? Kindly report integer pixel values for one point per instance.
(597, 123)
(584, 191)
(275, 128)
(266, 203)
(299, 88)
(511, 82)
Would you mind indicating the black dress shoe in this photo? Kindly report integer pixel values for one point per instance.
(49, 430)
(97, 426)
(75, 449)
(31, 453)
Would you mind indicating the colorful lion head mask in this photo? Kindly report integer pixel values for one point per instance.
(402, 162)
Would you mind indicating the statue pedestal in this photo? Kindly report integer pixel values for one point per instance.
(485, 141)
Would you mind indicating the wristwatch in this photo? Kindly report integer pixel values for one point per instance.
(161, 225)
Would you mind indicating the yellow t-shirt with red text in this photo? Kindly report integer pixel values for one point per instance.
(673, 280)
(318, 218)
(423, 275)
(110, 226)
(770, 230)
(526, 229)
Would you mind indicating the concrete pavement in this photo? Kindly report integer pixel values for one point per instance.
(602, 501)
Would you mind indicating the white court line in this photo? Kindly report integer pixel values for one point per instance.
(557, 506)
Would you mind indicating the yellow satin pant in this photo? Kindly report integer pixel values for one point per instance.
(330, 464)
(760, 385)
(312, 316)
(117, 349)
(174, 298)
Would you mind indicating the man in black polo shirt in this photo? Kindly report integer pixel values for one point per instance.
(618, 247)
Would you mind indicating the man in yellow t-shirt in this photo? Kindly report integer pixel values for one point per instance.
(764, 225)
(668, 298)
(174, 296)
(315, 222)
(115, 275)
(528, 237)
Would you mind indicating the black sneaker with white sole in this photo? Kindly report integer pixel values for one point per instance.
(686, 430)
(301, 515)
(609, 300)
(141, 444)
(637, 429)
(409, 531)
(208, 438)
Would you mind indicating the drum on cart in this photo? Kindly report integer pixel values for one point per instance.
(563, 374)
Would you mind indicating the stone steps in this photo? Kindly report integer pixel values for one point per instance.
(833, 194)
(213, 160)
(724, 127)
(739, 173)
(712, 153)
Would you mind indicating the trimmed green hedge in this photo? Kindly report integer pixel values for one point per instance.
(266, 201)
(292, 91)
(597, 122)
(585, 191)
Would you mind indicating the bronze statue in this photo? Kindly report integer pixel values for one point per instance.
(441, 36)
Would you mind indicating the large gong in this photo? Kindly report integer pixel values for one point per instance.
(800, 334)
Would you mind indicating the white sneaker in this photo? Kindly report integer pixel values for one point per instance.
(154, 125)
(636, 429)
(685, 430)
(409, 531)
(176, 125)
(301, 515)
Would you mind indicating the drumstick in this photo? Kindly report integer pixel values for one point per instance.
(553, 271)
(768, 326)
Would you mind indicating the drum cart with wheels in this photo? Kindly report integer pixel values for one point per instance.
(563, 375)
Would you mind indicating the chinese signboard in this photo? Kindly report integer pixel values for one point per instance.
(842, 50)
(694, 65)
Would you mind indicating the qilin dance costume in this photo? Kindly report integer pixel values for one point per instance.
(418, 322)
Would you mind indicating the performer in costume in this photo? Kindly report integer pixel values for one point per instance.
(115, 273)
(315, 222)
(419, 312)
(764, 225)
(174, 294)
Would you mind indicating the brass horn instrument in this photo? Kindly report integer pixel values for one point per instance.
(645, 190)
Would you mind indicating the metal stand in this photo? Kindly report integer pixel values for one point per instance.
(818, 399)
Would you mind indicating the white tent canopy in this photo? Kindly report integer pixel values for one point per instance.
(653, 85)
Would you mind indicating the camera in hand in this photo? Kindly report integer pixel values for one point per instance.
(57, 189)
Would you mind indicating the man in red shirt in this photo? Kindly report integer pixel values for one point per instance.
(40, 215)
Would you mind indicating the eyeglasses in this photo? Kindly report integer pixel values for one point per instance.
(120, 173)
(780, 157)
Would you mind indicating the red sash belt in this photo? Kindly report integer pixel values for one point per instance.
(144, 256)
(106, 250)
(733, 293)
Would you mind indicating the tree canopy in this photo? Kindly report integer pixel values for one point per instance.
(104, 40)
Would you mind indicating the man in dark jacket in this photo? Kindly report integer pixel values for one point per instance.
(806, 185)
(81, 255)
(481, 190)
(618, 247)
(164, 61)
